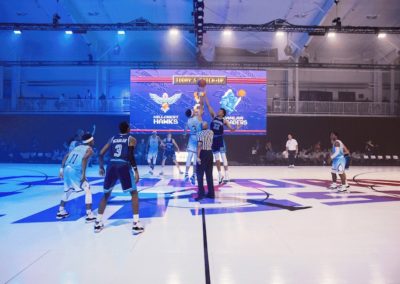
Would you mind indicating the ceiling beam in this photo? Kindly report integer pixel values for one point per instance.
(194, 65)
(145, 25)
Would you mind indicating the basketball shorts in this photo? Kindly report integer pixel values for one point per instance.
(152, 156)
(218, 145)
(72, 180)
(122, 172)
(169, 155)
(192, 144)
(338, 165)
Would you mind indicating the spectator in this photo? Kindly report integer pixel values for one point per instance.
(269, 152)
(292, 149)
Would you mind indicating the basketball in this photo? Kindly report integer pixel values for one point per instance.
(241, 93)
(202, 83)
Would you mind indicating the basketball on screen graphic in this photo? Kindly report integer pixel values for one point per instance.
(159, 98)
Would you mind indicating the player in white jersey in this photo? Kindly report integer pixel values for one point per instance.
(152, 150)
(338, 163)
(73, 171)
(193, 126)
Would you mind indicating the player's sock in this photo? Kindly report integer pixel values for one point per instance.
(99, 217)
(226, 175)
(135, 218)
(88, 211)
(61, 209)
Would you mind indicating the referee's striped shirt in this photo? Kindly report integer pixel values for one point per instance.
(206, 137)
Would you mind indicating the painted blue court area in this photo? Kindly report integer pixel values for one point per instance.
(259, 229)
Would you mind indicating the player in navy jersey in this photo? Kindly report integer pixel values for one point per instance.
(219, 150)
(122, 167)
(169, 152)
(73, 171)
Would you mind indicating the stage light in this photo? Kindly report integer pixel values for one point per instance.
(121, 32)
(227, 32)
(331, 34)
(174, 31)
(17, 32)
(381, 35)
(68, 32)
(280, 34)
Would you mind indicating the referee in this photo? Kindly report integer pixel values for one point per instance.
(205, 161)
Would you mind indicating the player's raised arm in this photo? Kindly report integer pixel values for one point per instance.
(94, 129)
(85, 160)
(210, 109)
(101, 158)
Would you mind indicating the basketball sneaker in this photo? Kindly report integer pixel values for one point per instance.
(186, 177)
(342, 188)
(151, 172)
(333, 186)
(62, 214)
(98, 226)
(193, 180)
(137, 228)
(161, 173)
(220, 179)
(90, 217)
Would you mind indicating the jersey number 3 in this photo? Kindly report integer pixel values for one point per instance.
(118, 150)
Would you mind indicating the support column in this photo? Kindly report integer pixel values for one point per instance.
(15, 86)
(378, 86)
(99, 85)
(1, 82)
(296, 89)
(392, 90)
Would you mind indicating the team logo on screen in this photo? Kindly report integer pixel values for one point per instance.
(230, 101)
(165, 100)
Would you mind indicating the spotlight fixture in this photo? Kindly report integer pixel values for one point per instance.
(68, 32)
(121, 32)
(337, 22)
(331, 34)
(198, 19)
(279, 33)
(227, 32)
(17, 32)
(381, 35)
(173, 31)
(56, 19)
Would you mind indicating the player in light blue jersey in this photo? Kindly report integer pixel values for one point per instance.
(193, 126)
(338, 163)
(73, 171)
(152, 150)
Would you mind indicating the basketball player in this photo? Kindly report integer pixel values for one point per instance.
(120, 168)
(218, 147)
(169, 152)
(73, 171)
(193, 125)
(338, 163)
(152, 153)
(77, 140)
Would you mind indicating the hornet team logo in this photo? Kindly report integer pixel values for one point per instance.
(165, 101)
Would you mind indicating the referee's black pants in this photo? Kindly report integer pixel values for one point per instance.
(206, 166)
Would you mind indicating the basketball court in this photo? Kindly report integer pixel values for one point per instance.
(268, 225)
